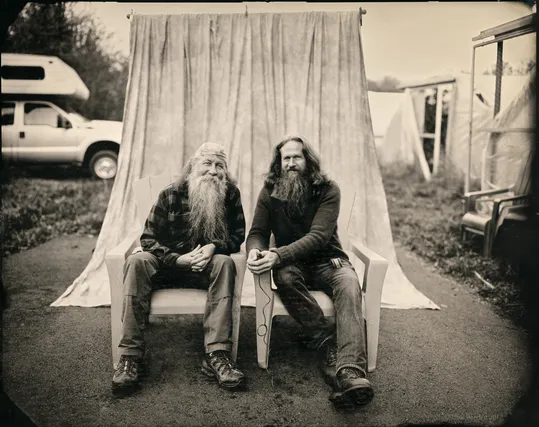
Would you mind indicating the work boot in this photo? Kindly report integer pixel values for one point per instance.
(354, 390)
(218, 365)
(328, 363)
(127, 375)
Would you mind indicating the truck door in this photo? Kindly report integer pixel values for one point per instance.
(10, 138)
(47, 135)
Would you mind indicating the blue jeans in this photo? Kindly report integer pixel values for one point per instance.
(342, 285)
(143, 273)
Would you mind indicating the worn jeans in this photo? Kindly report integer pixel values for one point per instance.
(342, 285)
(143, 273)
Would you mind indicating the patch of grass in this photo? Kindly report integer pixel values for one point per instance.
(425, 218)
(36, 210)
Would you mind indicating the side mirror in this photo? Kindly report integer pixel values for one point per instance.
(63, 122)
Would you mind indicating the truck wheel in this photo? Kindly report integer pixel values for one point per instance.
(104, 164)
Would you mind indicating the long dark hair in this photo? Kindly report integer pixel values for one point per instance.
(313, 171)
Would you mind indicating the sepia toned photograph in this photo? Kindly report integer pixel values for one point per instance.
(269, 214)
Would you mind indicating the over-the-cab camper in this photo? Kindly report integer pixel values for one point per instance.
(36, 75)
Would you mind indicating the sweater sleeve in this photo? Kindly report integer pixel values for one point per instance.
(260, 231)
(155, 228)
(322, 228)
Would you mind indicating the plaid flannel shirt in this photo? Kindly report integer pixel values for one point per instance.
(166, 230)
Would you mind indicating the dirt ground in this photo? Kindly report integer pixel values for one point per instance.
(462, 364)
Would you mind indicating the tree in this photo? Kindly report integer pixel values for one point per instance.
(523, 68)
(78, 40)
(386, 84)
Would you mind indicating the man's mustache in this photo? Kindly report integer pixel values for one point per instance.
(211, 178)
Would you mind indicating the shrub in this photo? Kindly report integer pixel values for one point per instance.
(36, 210)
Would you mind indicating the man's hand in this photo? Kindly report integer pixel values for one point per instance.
(260, 262)
(186, 260)
(254, 254)
(203, 257)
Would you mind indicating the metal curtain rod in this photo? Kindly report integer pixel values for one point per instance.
(361, 13)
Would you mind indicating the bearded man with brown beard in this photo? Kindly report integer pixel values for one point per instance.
(300, 206)
(192, 228)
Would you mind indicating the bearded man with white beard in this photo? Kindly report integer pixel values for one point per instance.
(193, 227)
(300, 205)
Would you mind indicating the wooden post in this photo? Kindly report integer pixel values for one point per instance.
(437, 129)
(470, 126)
(450, 123)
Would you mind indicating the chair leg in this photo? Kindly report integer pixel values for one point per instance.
(263, 338)
(487, 241)
(264, 317)
(373, 298)
(115, 269)
(372, 331)
(463, 235)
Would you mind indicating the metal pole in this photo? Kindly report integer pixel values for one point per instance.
(493, 138)
(470, 129)
(499, 72)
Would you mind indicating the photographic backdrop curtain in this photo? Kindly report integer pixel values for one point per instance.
(246, 80)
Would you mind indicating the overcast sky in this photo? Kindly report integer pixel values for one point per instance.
(401, 39)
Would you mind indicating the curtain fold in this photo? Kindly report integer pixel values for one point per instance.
(245, 81)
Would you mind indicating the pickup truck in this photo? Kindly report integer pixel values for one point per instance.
(40, 132)
(39, 124)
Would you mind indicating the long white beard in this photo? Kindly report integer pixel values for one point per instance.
(207, 213)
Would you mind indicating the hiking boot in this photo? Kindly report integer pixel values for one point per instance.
(218, 365)
(127, 375)
(328, 365)
(354, 390)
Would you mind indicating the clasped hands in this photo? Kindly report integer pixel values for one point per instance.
(259, 262)
(197, 259)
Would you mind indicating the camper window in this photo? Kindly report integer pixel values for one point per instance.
(8, 113)
(41, 114)
(12, 72)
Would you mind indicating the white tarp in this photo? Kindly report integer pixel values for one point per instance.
(247, 80)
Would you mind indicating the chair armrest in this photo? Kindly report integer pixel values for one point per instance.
(469, 198)
(375, 265)
(365, 254)
(497, 214)
(124, 249)
(515, 199)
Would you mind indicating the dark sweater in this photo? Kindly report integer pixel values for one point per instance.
(311, 237)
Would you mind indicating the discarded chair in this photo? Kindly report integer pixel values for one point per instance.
(268, 303)
(485, 211)
(164, 301)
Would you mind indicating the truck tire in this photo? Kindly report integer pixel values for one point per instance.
(104, 164)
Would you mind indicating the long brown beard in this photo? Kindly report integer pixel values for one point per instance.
(294, 188)
(207, 210)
